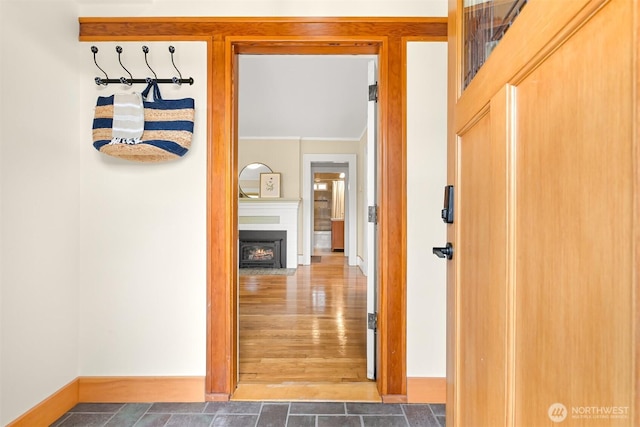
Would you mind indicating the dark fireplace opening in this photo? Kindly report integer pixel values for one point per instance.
(263, 249)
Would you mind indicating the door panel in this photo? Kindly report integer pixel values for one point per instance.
(574, 228)
(480, 255)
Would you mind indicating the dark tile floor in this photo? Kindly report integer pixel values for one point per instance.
(254, 414)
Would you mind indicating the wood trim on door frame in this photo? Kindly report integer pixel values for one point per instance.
(225, 38)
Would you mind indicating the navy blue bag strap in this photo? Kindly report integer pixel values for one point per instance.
(157, 96)
(156, 92)
(145, 92)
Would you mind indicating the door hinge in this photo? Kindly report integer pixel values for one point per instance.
(372, 321)
(373, 92)
(373, 214)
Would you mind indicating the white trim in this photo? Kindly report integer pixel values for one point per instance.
(302, 139)
(364, 131)
(321, 139)
(270, 138)
(307, 197)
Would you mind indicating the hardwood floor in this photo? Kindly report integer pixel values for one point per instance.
(305, 330)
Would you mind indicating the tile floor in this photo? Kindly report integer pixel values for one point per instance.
(254, 414)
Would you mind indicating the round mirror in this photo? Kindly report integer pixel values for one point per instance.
(249, 179)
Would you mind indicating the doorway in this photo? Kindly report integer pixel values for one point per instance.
(223, 314)
(321, 307)
(336, 163)
(328, 222)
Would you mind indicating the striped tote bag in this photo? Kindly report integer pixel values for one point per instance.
(168, 128)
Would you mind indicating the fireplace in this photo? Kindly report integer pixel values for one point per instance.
(263, 249)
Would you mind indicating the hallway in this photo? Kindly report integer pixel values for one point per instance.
(306, 328)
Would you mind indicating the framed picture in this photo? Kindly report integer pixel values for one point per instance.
(269, 185)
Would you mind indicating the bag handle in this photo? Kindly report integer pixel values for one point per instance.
(157, 96)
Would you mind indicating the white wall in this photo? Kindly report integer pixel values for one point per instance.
(40, 178)
(263, 8)
(103, 262)
(143, 232)
(2, 37)
(426, 178)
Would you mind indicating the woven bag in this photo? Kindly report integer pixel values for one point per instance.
(168, 128)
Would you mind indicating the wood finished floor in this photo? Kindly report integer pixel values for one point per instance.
(306, 331)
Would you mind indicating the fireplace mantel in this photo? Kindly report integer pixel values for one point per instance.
(272, 214)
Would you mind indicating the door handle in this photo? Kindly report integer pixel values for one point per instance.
(446, 252)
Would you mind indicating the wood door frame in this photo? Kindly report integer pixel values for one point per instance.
(227, 37)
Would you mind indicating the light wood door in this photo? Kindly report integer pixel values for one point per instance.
(543, 286)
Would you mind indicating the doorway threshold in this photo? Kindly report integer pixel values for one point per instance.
(308, 391)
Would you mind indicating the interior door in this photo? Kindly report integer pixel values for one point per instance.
(372, 240)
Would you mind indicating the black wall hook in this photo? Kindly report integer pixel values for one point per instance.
(130, 81)
(145, 49)
(123, 80)
(98, 80)
(175, 79)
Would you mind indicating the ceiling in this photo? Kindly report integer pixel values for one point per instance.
(310, 96)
